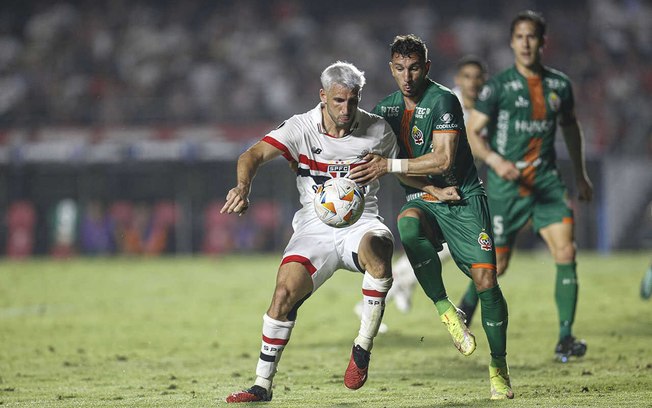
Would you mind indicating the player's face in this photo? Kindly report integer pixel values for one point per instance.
(470, 79)
(526, 44)
(341, 105)
(409, 72)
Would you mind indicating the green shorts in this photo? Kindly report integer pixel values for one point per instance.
(546, 205)
(466, 227)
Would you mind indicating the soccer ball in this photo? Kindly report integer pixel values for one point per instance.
(339, 202)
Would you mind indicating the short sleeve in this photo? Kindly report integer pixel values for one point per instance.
(447, 115)
(487, 102)
(286, 138)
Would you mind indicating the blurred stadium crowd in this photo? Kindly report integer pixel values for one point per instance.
(130, 62)
(120, 120)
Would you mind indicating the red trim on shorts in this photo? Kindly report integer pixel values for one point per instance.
(567, 220)
(276, 342)
(373, 293)
(502, 250)
(483, 266)
(280, 146)
(302, 260)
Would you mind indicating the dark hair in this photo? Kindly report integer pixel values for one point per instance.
(472, 60)
(405, 45)
(533, 16)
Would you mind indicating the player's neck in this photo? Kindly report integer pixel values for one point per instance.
(411, 102)
(333, 130)
(534, 70)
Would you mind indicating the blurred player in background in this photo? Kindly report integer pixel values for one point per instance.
(429, 124)
(325, 142)
(470, 76)
(646, 284)
(521, 108)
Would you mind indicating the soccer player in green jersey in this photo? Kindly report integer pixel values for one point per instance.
(428, 121)
(520, 108)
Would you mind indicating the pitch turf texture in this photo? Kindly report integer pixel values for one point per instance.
(185, 332)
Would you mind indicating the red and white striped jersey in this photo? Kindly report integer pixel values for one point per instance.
(320, 156)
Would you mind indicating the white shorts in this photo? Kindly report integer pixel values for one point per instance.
(323, 249)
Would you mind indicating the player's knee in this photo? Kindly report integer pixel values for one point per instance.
(376, 254)
(484, 278)
(408, 228)
(381, 243)
(565, 253)
(501, 267)
(502, 262)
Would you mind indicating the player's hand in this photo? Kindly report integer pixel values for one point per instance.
(584, 188)
(445, 195)
(237, 201)
(294, 166)
(503, 167)
(374, 168)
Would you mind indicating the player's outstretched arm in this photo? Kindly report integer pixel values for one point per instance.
(481, 150)
(237, 199)
(438, 161)
(572, 133)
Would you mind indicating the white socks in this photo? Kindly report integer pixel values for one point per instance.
(276, 335)
(374, 292)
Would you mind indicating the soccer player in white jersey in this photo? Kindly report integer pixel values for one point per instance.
(470, 76)
(328, 141)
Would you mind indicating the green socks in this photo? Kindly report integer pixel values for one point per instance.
(566, 297)
(424, 260)
(494, 322)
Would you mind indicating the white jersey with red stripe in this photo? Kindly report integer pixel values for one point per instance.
(320, 156)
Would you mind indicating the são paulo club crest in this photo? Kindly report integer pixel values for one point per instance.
(338, 169)
(417, 135)
(485, 241)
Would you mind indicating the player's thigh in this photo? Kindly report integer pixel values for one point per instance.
(508, 215)
(367, 243)
(313, 246)
(467, 229)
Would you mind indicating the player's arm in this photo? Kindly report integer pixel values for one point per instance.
(237, 199)
(447, 194)
(572, 133)
(482, 151)
(437, 162)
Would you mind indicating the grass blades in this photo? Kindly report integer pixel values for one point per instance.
(163, 332)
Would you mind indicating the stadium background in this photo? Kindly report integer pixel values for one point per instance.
(120, 121)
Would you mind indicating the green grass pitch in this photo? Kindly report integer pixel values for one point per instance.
(185, 332)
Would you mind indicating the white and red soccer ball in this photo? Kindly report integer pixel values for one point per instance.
(339, 202)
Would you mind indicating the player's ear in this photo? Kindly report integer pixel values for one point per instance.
(427, 67)
(322, 95)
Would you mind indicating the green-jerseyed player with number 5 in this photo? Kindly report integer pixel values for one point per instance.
(428, 121)
(520, 108)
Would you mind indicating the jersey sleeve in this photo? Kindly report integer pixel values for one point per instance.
(286, 138)
(447, 115)
(389, 146)
(487, 102)
(567, 98)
